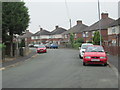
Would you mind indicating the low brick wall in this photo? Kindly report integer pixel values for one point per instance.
(113, 50)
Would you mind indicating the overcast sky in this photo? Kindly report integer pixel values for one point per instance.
(49, 14)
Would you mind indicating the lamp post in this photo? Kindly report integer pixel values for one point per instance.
(17, 41)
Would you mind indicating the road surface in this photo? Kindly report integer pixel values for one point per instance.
(59, 68)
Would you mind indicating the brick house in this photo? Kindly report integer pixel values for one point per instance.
(102, 25)
(41, 36)
(76, 30)
(27, 36)
(56, 35)
(114, 37)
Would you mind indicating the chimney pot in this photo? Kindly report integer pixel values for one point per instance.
(41, 29)
(104, 15)
(56, 26)
(79, 22)
(27, 31)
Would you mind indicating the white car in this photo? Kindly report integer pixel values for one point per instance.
(36, 45)
(83, 48)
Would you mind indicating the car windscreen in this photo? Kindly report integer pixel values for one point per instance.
(41, 46)
(95, 49)
(84, 46)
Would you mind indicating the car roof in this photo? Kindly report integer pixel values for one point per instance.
(95, 45)
(87, 44)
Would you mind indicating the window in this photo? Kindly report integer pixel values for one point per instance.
(75, 35)
(113, 42)
(113, 30)
(93, 33)
(65, 36)
(83, 34)
(86, 34)
(32, 37)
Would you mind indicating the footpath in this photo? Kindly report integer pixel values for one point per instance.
(113, 60)
(10, 62)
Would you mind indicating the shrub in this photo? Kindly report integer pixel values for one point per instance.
(77, 45)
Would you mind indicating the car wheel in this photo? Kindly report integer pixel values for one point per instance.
(105, 64)
(80, 56)
(84, 64)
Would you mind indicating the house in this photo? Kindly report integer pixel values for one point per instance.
(101, 25)
(76, 30)
(27, 36)
(42, 36)
(114, 37)
(56, 35)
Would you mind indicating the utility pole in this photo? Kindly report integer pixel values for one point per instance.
(70, 22)
(99, 23)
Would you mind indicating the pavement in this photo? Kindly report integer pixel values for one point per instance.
(113, 60)
(10, 62)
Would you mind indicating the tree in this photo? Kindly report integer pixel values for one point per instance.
(79, 40)
(96, 38)
(15, 20)
(72, 39)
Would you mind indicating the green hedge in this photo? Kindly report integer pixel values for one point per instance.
(2, 46)
(77, 45)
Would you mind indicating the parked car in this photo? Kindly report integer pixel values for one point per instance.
(36, 45)
(82, 49)
(31, 45)
(95, 54)
(47, 45)
(41, 49)
(54, 46)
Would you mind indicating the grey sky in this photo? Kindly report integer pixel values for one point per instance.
(50, 14)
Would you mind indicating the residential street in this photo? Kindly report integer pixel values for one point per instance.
(59, 68)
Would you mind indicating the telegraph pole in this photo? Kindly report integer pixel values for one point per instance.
(99, 23)
(70, 23)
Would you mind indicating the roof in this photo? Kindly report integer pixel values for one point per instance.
(76, 29)
(104, 24)
(58, 30)
(26, 35)
(42, 32)
(115, 23)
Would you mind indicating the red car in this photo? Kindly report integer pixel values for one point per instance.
(41, 49)
(95, 54)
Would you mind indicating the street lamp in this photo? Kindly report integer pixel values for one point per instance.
(17, 41)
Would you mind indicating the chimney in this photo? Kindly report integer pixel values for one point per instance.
(41, 29)
(104, 15)
(79, 22)
(56, 27)
(26, 31)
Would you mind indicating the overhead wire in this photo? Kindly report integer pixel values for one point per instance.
(68, 14)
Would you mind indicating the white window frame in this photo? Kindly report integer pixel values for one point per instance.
(87, 34)
(83, 34)
(93, 33)
(113, 30)
(75, 35)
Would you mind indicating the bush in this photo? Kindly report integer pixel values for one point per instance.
(79, 40)
(77, 45)
(22, 44)
(2, 46)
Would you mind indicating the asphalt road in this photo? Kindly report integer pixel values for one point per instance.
(58, 68)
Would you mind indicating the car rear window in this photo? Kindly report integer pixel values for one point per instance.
(41, 46)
